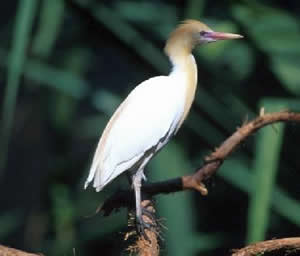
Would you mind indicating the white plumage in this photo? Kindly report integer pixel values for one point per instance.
(145, 121)
(152, 113)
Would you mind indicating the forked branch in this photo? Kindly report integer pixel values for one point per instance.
(211, 165)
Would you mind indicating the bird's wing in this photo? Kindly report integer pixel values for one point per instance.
(149, 114)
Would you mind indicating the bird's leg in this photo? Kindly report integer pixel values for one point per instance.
(141, 224)
(137, 183)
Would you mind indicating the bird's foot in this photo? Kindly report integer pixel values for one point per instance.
(146, 222)
(149, 214)
(142, 226)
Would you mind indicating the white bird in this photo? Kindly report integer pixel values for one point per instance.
(152, 113)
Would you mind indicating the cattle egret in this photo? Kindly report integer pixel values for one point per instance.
(151, 114)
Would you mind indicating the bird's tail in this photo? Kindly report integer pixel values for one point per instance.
(95, 175)
(91, 176)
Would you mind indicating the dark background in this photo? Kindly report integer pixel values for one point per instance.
(66, 65)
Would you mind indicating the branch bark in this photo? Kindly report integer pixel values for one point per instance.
(287, 244)
(150, 246)
(7, 251)
(147, 248)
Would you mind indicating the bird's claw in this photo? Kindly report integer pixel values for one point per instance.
(149, 214)
(143, 225)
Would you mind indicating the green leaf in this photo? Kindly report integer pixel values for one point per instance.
(24, 21)
(278, 35)
(51, 18)
(216, 110)
(194, 9)
(172, 161)
(53, 77)
(63, 214)
(138, 12)
(237, 173)
(56, 78)
(287, 70)
(130, 36)
(268, 146)
(106, 101)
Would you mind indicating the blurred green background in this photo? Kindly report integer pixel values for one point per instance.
(67, 64)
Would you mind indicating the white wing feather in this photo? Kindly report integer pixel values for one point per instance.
(149, 113)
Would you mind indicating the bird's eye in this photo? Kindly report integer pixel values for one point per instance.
(203, 33)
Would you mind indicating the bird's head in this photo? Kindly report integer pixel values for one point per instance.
(191, 33)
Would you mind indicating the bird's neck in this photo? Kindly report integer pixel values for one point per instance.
(185, 74)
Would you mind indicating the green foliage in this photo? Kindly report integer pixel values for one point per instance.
(173, 208)
(48, 27)
(276, 33)
(268, 146)
(78, 60)
(63, 218)
(24, 20)
(9, 223)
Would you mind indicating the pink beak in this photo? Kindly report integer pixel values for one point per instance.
(221, 36)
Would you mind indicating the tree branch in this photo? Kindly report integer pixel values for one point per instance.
(287, 244)
(215, 159)
(7, 251)
(149, 246)
(211, 164)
